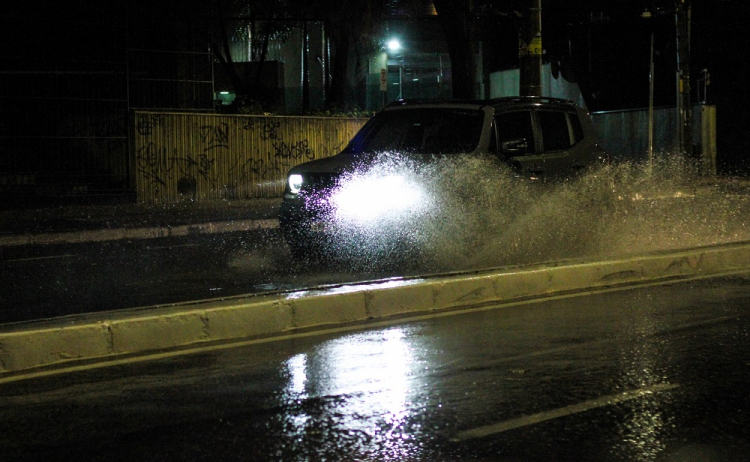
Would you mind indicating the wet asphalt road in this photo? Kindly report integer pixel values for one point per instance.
(649, 374)
(46, 281)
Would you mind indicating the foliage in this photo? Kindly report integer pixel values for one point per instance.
(339, 111)
(244, 105)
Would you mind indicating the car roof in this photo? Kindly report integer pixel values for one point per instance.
(508, 101)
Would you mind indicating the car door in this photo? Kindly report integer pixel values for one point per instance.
(517, 143)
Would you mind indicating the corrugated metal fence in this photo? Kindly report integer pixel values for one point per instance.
(206, 156)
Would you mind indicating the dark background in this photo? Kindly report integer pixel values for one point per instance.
(64, 97)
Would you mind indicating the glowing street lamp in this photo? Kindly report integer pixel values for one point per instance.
(394, 44)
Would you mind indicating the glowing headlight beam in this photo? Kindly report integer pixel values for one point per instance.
(377, 197)
(295, 183)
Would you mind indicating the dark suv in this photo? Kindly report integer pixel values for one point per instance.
(343, 197)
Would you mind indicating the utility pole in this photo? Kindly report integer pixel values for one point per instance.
(530, 51)
(684, 108)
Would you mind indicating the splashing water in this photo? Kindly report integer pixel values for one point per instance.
(471, 213)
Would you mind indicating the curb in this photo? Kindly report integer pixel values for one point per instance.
(114, 234)
(148, 330)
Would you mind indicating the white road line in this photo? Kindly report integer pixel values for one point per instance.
(162, 247)
(524, 421)
(50, 257)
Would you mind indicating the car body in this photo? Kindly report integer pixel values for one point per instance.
(538, 138)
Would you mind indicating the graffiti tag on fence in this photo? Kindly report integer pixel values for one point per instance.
(253, 166)
(149, 163)
(146, 123)
(269, 131)
(293, 151)
(214, 136)
(187, 165)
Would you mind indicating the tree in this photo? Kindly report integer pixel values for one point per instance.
(349, 26)
(465, 23)
(457, 20)
(351, 36)
(257, 21)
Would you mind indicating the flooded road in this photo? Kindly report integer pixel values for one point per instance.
(480, 219)
(649, 374)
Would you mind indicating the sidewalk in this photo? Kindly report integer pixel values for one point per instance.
(74, 224)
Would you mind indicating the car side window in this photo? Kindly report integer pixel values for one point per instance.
(555, 131)
(575, 124)
(514, 126)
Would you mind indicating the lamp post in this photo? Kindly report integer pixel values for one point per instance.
(683, 13)
(647, 15)
(395, 45)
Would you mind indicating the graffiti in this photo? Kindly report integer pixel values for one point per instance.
(157, 167)
(280, 166)
(198, 159)
(253, 166)
(293, 151)
(146, 123)
(186, 166)
(248, 124)
(149, 163)
(214, 136)
(269, 131)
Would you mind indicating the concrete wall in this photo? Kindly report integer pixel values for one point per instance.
(177, 157)
(507, 83)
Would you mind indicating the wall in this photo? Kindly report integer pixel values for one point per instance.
(624, 134)
(178, 157)
(508, 83)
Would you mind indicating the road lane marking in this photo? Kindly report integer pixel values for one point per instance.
(162, 247)
(487, 430)
(50, 257)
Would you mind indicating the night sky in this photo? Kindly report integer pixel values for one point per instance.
(609, 45)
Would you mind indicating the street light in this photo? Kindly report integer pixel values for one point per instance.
(394, 44)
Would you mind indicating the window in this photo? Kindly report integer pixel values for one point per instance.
(555, 133)
(432, 131)
(516, 125)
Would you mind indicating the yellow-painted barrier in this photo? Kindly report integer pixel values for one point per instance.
(208, 156)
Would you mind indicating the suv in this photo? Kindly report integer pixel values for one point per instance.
(539, 138)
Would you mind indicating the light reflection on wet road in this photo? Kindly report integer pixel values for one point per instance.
(657, 374)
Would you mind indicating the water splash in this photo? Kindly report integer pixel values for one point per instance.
(474, 213)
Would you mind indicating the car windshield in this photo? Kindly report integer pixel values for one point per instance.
(422, 130)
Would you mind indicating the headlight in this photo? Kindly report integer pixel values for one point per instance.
(377, 197)
(295, 183)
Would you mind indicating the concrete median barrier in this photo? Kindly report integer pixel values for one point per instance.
(144, 331)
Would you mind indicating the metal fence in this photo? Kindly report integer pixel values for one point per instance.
(71, 73)
(180, 157)
(624, 134)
